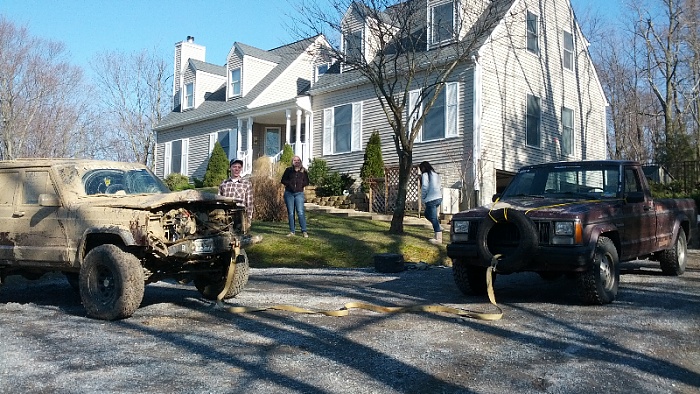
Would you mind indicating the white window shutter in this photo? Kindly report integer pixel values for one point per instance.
(212, 142)
(414, 111)
(356, 141)
(451, 109)
(327, 131)
(185, 156)
(167, 159)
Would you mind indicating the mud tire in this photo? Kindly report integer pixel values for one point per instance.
(599, 284)
(470, 279)
(673, 260)
(111, 283)
(513, 259)
(210, 286)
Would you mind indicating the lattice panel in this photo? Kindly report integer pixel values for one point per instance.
(385, 190)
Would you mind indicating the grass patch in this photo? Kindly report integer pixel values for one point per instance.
(339, 242)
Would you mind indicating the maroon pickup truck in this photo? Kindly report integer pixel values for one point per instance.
(575, 218)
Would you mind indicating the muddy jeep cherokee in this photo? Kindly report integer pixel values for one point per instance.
(113, 227)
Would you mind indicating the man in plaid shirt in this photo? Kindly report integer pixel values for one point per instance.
(238, 188)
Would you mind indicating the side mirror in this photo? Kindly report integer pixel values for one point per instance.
(49, 200)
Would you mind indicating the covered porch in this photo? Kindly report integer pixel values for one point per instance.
(263, 133)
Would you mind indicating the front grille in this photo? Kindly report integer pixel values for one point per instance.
(545, 230)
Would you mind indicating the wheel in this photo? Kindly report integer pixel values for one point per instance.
(111, 283)
(599, 284)
(511, 234)
(470, 279)
(673, 260)
(210, 286)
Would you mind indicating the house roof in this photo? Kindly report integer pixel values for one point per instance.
(208, 67)
(216, 105)
(491, 17)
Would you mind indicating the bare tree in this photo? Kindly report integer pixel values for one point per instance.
(43, 111)
(133, 100)
(396, 60)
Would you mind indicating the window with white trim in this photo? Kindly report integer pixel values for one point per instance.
(342, 128)
(176, 156)
(441, 120)
(532, 132)
(320, 70)
(189, 95)
(228, 139)
(568, 53)
(532, 33)
(442, 23)
(235, 89)
(352, 46)
(567, 131)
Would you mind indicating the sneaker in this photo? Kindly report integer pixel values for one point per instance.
(305, 234)
(290, 234)
(435, 241)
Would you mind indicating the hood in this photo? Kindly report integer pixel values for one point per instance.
(155, 201)
(544, 207)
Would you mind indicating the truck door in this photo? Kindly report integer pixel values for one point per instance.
(41, 236)
(638, 216)
(9, 180)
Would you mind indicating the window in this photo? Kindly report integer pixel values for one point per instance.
(228, 139)
(9, 180)
(36, 183)
(175, 157)
(189, 95)
(533, 121)
(568, 51)
(353, 46)
(321, 69)
(532, 33)
(441, 119)
(567, 131)
(342, 128)
(235, 82)
(442, 26)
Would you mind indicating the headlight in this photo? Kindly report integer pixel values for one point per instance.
(460, 226)
(564, 228)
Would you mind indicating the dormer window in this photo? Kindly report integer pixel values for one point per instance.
(321, 69)
(235, 82)
(189, 95)
(442, 23)
(353, 46)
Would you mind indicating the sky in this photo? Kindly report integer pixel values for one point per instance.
(90, 27)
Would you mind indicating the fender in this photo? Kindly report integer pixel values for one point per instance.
(610, 230)
(124, 234)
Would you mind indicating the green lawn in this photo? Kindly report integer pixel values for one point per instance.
(341, 242)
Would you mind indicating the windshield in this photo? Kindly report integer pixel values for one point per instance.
(562, 181)
(116, 181)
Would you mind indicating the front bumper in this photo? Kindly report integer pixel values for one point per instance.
(545, 258)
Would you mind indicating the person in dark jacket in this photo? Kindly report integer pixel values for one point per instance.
(294, 179)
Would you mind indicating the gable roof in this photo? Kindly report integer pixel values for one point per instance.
(491, 17)
(216, 105)
(199, 65)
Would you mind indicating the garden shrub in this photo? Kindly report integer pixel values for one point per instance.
(217, 168)
(176, 181)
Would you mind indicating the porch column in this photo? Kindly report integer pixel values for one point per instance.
(297, 144)
(249, 143)
(306, 160)
(288, 129)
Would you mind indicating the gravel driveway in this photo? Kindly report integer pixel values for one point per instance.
(645, 342)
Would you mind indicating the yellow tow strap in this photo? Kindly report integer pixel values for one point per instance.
(345, 310)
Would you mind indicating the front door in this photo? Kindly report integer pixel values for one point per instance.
(9, 179)
(272, 141)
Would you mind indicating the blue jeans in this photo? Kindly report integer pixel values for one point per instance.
(295, 202)
(431, 213)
